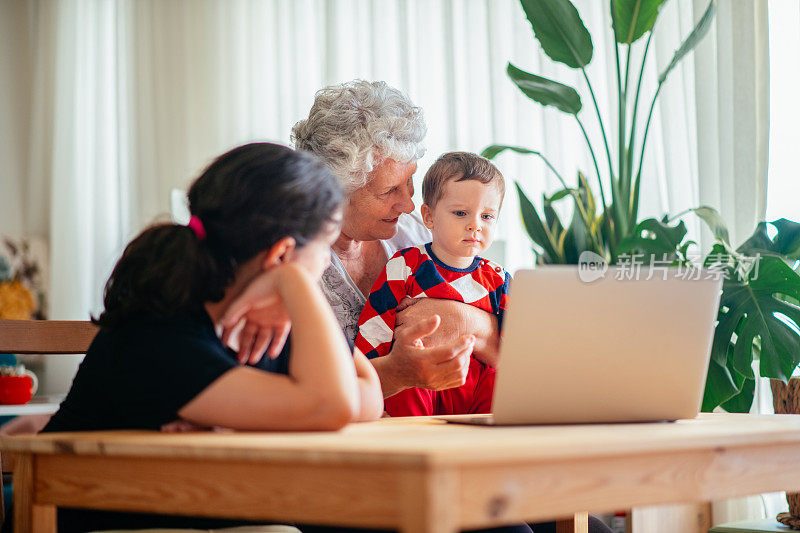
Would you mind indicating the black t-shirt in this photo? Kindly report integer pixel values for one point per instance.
(139, 375)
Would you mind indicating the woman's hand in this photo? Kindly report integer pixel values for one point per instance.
(457, 319)
(257, 318)
(411, 363)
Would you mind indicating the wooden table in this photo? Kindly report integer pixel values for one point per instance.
(414, 474)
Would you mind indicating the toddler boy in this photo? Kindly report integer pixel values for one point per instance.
(462, 194)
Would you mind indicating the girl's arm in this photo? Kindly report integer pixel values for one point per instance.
(369, 389)
(321, 390)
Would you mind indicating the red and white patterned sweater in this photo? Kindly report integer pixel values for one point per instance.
(418, 273)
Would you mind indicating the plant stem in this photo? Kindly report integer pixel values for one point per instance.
(594, 160)
(679, 215)
(636, 101)
(625, 168)
(647, 128)
(621, 97)
(627, 68)
(606, 207)
(602, 126)
(632, 138)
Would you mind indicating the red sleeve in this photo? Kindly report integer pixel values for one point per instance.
(377, 320)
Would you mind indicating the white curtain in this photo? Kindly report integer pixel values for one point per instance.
(784, 74)
(733, 126)
(115, 103)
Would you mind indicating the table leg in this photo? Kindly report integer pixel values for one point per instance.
(430, 502)
(28, 515)
(579, 523)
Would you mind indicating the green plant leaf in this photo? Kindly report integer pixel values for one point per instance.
(575, 240)
(727, 388)
(635, 200)
(697, 34)
(787, 240)
(634, 18)
(683, 251)
(743, 400)
(490, 152)
(619, 209)
(551, 218)
(587, 197)
(751, 308)
(563, 193)
(714, 221)
(535, 227)
(546, 92)
(560, 30)
(654, 237)
(758, 242)
(720, 386)
(579, 233)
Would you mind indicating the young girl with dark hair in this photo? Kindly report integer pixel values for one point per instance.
(263, 219)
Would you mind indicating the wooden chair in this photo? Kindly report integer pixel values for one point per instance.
(47, 337)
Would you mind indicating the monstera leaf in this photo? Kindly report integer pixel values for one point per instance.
(786, 242)
(654, 237)
(755, 309)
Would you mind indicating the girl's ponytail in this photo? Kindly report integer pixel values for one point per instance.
(166, 270)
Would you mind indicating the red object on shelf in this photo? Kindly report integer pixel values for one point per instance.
(16, 390)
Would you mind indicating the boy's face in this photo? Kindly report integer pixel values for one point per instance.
(464, 220)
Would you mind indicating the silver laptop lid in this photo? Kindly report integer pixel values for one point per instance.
(610, 349)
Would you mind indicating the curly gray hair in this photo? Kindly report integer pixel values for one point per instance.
(357, 125)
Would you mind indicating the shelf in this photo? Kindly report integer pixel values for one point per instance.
(39, 405)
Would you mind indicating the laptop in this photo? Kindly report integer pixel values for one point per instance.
(603, 349)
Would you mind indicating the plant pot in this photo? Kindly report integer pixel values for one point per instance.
(786, 400)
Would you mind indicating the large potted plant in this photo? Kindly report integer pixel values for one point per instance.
(759, 317)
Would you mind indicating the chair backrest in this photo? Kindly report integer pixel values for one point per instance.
(46, 336)
(41, 337)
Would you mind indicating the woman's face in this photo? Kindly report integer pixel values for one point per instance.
(373, 210)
